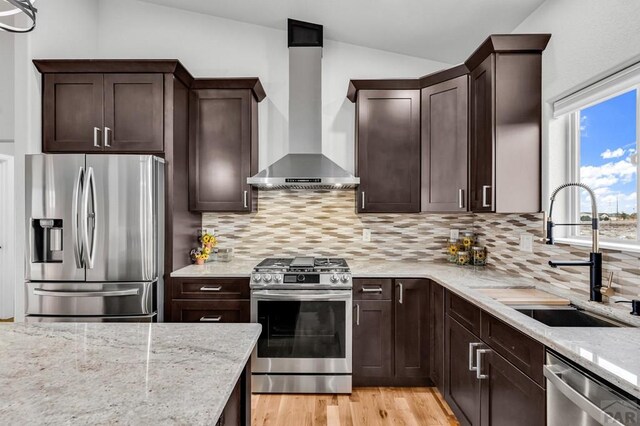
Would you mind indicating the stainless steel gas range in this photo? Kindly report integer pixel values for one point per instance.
(304, 305)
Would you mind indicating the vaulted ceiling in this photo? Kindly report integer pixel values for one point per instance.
(441, 30)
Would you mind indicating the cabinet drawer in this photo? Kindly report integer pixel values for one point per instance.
(212, 288)
(372, 289)
(464, 312)
(213, 311)
(518, 348)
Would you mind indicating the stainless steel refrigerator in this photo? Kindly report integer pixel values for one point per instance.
(95, 230)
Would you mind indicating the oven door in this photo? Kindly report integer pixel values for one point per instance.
(303, 331)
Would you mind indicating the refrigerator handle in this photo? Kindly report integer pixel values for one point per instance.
(89, 251)
(77, 189)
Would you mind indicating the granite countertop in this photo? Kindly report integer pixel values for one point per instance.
(128, 373)
(608, 352)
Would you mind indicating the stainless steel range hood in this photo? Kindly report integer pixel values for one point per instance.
(304, 166)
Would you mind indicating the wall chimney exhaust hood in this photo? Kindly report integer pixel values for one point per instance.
(304, 166)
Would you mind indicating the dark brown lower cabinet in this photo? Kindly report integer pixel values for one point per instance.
(214, 311)
(237, 412)
(412, 328)
(508, 396)
(372, 341)
(436, 335)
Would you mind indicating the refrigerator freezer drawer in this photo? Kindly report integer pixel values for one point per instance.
(114, 318)
(90, 299)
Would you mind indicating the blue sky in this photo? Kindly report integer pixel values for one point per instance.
(607, 145)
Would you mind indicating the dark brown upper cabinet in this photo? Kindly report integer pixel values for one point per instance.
(444, 146)
(102, 112)
(506, 116)
(223, 147)
(388, 151)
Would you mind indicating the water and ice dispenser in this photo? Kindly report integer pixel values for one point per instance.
(46, 240)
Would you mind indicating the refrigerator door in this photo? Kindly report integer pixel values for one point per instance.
(119, 226)
(53, 187)
(90, 299)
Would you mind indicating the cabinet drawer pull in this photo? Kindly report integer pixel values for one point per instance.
(107, 137)
(362, 200)
(485, 203)
(357, 314)
(479, 354)
(460, 198)
(245, 199)
(401, 296)
(96, 137)
(211, 319)
(377, 290)
(207, 288)
(472, 346)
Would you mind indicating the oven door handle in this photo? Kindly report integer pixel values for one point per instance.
(299, 295)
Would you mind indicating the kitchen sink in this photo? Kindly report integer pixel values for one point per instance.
(568, 316)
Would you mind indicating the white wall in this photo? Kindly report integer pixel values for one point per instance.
(65, 29)
(590, 39)
(6, 87)
(214, 47)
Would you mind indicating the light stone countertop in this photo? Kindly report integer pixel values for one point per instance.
(125, 373)
(611, 353)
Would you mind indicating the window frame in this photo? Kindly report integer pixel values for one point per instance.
(573, 212)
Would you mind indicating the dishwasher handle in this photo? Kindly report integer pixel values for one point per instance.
(553, 375)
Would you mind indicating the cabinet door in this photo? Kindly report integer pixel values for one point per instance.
(509, 397)
(462, 388)
(436, 335)
(133, 112)
(412, 328)
(444, 146)
(482, 137)
(72, 113)
(372, 341)
(220, 150)
(214, 311)
(388, 138)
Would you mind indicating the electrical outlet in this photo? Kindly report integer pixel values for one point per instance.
(454, 234)
(526, 243)
(366, 235)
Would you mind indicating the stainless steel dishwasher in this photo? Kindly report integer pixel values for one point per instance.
(575, 397)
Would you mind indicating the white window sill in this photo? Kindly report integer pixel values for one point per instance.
(631, 247)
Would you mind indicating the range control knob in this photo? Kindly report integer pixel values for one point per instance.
(334, 278)
(267, 278)
(257, 278)
(344, 278)
(277, 278)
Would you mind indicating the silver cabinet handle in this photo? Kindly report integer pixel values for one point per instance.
(485, 203)
(479, 353)
(400, 297)
(111, 293)
(211, 319)
(245, 198)
(377, 290)
(461, 198)
(77, 189)
(362, 200)
(107, 137)
(472, 346)
(96, 138)
(206, 288)
(357, 314)
(577, 398)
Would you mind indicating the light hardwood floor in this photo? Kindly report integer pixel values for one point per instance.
(365, 406)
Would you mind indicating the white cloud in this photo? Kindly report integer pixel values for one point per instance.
(612, 154)
(607, 174)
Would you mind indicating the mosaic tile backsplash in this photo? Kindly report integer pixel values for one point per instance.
(325, 223)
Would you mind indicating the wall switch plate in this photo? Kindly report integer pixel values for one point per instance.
(366, 235)
(454, 234)
(526, 243)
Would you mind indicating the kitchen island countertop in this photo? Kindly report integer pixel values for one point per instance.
(128, 373)
(608, 352)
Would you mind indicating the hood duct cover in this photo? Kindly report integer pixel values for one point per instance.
(304, 166)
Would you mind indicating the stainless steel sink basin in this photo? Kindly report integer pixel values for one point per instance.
(568, 316)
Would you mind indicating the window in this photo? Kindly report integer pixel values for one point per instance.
(606, 159)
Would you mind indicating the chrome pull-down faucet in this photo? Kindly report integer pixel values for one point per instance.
(595, 257)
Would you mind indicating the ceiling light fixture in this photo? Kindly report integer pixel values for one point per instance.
(9, 8)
